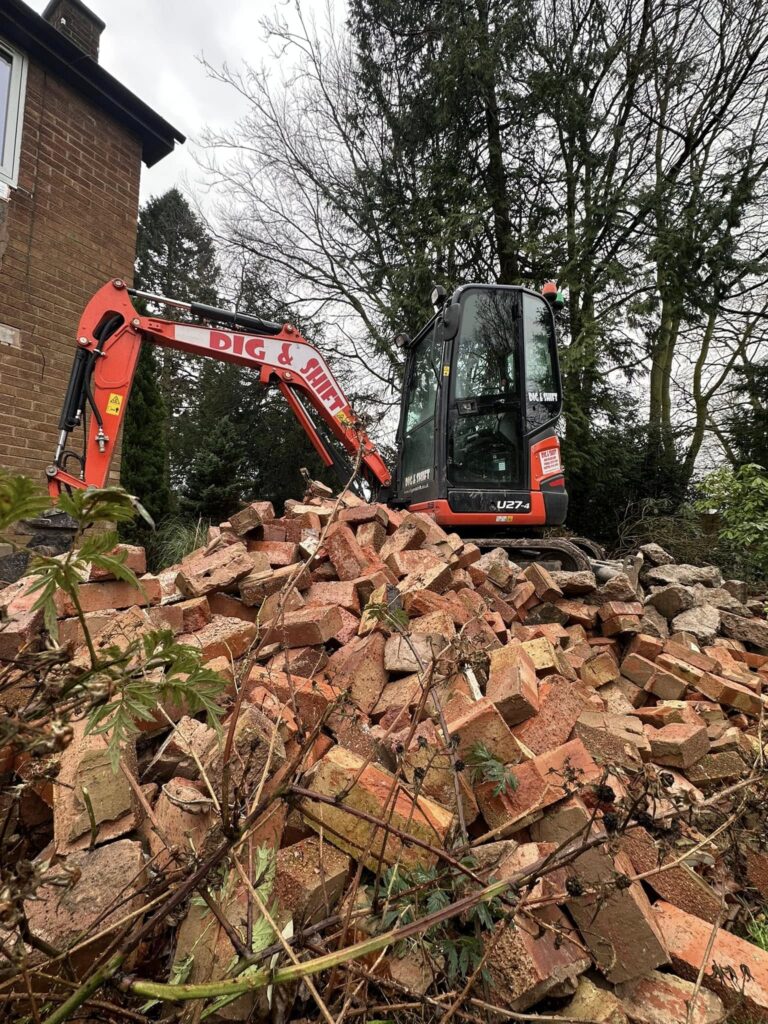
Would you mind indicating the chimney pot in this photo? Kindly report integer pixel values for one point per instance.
(77, 22)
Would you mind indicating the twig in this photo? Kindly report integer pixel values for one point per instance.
(704, 962)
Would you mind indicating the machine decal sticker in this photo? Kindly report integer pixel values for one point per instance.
(415, 481)
(114, 404)
(515, 505)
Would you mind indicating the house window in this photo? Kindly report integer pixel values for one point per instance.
(13, 72)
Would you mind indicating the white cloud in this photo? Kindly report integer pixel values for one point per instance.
(153, 47)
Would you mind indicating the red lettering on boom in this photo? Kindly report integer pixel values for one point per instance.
(254, 348)
(220, 341)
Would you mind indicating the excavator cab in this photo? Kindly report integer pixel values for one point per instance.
(482, 395)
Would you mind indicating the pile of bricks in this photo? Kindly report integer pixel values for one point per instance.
(615, 713)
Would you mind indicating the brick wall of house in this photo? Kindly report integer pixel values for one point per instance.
(68, 228)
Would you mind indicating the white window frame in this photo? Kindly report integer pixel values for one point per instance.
(10, 156)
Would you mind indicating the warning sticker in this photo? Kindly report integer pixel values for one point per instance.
(550, 461)
(114, 404)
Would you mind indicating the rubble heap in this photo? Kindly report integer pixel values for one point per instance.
(411, 711)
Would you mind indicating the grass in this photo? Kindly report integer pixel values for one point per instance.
(174, 538)
(757, 931)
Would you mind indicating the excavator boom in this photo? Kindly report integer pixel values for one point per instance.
(110, 335)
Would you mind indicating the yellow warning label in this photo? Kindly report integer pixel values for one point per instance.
(113, 405)
(446, 371)
(342, 417)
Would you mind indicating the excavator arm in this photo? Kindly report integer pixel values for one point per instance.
(109, 340)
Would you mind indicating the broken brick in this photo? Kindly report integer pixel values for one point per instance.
(532, 955)
(305, 626)
(482, 724)
(618, 927)
(345, 595)
(348, 558)
(221, 637)
(75, 901)
(688, 937)
(679, 885)
(277, 553)
(217, 571)
(664, 999)
(560, 704)
(679, 745)
(512, 684)
(85, 766)
(370, 789)
(310, 879)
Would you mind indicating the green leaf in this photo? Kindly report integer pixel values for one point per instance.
(20, 498)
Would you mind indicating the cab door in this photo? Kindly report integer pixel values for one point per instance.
(485, 432)
(417, 469)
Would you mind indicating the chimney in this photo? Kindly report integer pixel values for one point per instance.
(77, 22)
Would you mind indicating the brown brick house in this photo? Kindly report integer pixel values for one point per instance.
(72, 141)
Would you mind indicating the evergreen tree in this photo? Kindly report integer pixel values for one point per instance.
(175, 257)
(144, 466)
(748, 424)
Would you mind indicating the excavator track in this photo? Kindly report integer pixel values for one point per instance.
(525, 550)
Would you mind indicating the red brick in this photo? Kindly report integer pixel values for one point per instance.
(221, 637)
(305, 626)
(348, 558)
(379, 793)
(482, 724)
(416, 561)
(621, 624)
(664, 999)
(310, 878)
(637, 668)
(679, 745)
(96, 597)
(231, 607)
(544, 585)
(512, 684)
(666, 686)
(531, 956)
(560, 704)
(276, 552)
(679, 885)
(723, 691)
(371, 535)
(308, 698)
(256, 587)
(195, 613)
(618, 609)
(687, 938)
(217, 571)
(250, 517)
(345, 595)
(577, 612)
(409, 534)
(599, 669)
(646, 646)
(365, 514)
(618, 927)
(134, 559)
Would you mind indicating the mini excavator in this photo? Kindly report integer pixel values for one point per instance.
(477, 449)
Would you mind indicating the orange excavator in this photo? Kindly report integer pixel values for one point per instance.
(476, 444)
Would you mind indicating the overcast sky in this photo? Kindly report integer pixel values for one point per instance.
(153, 46)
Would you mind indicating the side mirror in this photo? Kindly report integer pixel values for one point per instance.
(451, 320)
